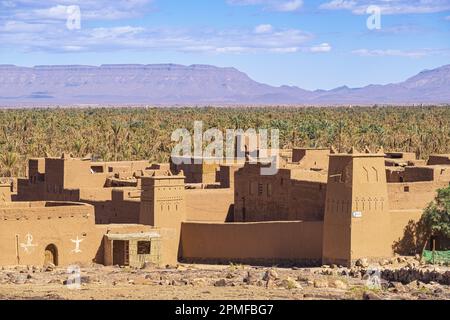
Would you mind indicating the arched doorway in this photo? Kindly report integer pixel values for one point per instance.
(51, 254)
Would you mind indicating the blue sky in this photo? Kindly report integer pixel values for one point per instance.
(311, 44)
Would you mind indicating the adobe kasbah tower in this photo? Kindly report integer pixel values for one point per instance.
(163, 207)
(356, 212)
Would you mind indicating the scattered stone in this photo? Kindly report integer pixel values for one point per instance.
(401, 259)
(290, 283)
(152, 276)
(355, 273)
(306, 270)
(384, 262)
(413, 285)
(270, 275)
(178, 283)
(369, 295)
(199, 282)
(270, 284)
(338, 284)
(20, 279)
(320, 283)
(55, 281)
(148, 266)
(180, 267)
(393, 261)
(344, 273)
(397, 287)
(327, 272)
(363, 263)
(250, 278)
(49, 267)
(303, 278)
(220, 283)
(438, 290)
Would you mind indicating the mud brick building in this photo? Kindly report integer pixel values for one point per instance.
(320, 207)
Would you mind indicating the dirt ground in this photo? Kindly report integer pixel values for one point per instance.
(207, 282)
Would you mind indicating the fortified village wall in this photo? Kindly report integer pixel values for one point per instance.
(321, 207)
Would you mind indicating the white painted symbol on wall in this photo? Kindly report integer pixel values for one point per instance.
(29, 245)
(77, 245)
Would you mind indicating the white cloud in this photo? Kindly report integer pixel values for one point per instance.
(391, 53)
(51, 39)
(19, 26)
(389, 6)
(115, 32)
(272, 5)
(323, 47)
(90, 9)
(288, 6)
(264, 28)
(447, 18)
(8, 4)
(58, 12)
(338, 4)
(285, 50)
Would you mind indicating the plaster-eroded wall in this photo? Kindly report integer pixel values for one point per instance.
(311, 158)
(281, 197)
(403, 228)
(263, 243)
(26, 229)
(417, 195)
(214, 205)
(125, 211)
(5, 193)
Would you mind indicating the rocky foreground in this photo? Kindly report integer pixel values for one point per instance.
(397, 279)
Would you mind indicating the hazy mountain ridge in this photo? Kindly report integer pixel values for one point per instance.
(199, 84)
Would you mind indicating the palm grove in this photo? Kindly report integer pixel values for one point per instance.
(145, 133)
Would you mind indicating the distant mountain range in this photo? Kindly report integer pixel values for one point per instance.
(166, 84)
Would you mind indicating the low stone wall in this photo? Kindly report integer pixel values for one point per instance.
(408, 275)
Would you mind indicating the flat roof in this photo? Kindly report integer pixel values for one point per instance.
(133, 236)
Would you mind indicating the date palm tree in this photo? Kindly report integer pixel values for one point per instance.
(9, 161)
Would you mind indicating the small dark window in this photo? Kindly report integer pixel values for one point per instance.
(98, 169)
(143, 247)
(406, 189)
